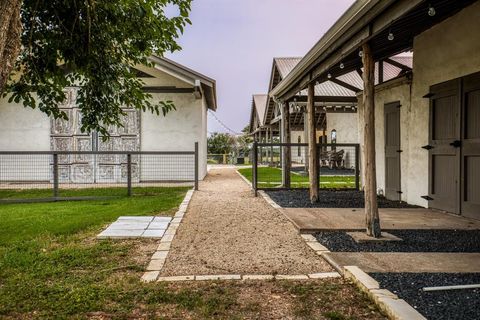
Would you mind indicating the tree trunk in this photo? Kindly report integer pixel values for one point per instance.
(312, 145)
(10, 43)
(371, 206)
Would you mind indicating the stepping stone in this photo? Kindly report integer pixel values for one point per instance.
(120, 234)
(153, 233)
(128, 226)
(139, 218)
(157, 225)
(161, 219)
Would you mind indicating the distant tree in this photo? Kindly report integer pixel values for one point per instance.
(220, 143)
(47, 45)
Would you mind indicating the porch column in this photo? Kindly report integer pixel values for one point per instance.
(371, 207)
(312, 145)
(287, 155)
(305, 138)
(271, 148)
(260, 149)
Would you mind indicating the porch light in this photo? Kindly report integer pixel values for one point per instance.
(431, 10)
(329, 76)
(334, 136)
(342, 65)
(360, 53)
(390, 36)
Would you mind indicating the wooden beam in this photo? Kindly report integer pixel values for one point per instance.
(286, 153)
(345, 85)
(380, 71)
(371, 207)
(397, 64)
(328, 99)
(168, 89)
(312, 145)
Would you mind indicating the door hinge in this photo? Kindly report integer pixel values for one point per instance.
(428, 95)
(427, 198)
(399, 151)
(456, 144)
(400, 192)
(428, 147)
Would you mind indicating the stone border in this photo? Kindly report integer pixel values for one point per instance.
(390, 303)
(158, 258)
(246, 277)
(244, 179)
(394, 307)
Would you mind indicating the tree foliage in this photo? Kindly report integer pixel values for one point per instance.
(220, 143)
(92, 44)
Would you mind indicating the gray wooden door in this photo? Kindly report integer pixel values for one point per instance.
(392, 151)
(444, 155)
(471, 147)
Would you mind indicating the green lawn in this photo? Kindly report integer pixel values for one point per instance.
(272, 177)
(52, 267)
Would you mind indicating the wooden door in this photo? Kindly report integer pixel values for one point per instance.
(392, 151)
(471, 147)
(444, 155)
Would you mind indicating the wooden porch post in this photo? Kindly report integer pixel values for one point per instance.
(312, 145)
(287, 155)
(372, 218)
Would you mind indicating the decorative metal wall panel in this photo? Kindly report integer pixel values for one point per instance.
(66, 135)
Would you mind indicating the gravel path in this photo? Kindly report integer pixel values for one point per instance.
(226, 230)
(453, 304)
(329, 199)
(413, 241)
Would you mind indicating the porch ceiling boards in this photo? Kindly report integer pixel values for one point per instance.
(366, 20)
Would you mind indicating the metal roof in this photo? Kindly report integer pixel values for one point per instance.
(286, 64)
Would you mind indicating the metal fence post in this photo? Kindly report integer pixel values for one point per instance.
(254, 167)
(129, 174)
(196, 165)
(55, 175)
(357, 166)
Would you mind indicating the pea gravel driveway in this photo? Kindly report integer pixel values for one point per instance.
(226, 230)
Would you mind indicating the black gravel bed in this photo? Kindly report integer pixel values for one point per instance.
(453, 304)
(329, 199)
(413, 241)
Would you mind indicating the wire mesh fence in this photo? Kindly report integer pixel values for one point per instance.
(63, 175)
(285, 166)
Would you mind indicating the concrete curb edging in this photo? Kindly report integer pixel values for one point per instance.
(160, 255)
(391, 304)
(247, 277)
(244, 179)
(394, 307)
(269, 200)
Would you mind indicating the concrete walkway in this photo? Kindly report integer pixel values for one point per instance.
(226, 230)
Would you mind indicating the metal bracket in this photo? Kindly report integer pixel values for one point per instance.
(428, 95)
(427, 198)
(399, 151)
(427, 147)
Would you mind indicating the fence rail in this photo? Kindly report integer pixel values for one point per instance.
(338, 166)
(29, 176)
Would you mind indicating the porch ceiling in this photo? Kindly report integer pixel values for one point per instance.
(404, 19)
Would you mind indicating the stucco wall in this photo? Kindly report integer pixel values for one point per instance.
(447, 51)
(397, 91)
(177, 131)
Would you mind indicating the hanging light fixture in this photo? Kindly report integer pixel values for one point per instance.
(431, 10)
(360, 53)
(342, 65)
(390, 36)
(329, 76)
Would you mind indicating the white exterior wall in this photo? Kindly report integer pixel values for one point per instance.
(397, 91)
(444, 52)
(23, 129)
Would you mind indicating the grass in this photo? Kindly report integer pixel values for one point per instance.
(52, 267)
(272, 177)
(27, 221)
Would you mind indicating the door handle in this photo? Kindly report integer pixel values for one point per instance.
(456, 143)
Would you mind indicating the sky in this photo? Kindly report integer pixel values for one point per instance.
(234, 42)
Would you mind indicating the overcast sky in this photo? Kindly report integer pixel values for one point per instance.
(234, 42)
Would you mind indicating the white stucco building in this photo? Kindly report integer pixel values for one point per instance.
(193, 94)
